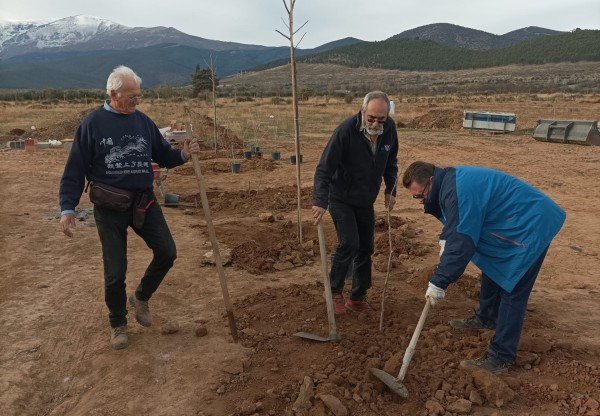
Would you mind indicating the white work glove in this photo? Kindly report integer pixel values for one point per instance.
(434, 294)
(442, 244)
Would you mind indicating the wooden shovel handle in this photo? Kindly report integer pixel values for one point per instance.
(413, 342)
(328, 297)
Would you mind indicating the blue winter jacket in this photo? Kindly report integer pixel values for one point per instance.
(497, 221)
(349, 171)
(115, 149)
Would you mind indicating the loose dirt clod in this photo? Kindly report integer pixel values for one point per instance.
(201, 331)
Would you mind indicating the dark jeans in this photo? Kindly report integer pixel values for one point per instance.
(506, 311)
(355, 227)
(112, 229)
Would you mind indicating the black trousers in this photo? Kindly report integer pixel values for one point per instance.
(112, 229)
(355, 227)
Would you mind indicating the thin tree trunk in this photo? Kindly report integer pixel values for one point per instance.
(214, 100)
(296, 126)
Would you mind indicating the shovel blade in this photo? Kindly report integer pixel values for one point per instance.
(314, 337)
(394, 385)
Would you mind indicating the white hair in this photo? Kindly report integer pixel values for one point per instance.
(375, 95)
(116, 77)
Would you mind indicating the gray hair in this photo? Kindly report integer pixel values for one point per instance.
(115, 79)
(375, 95)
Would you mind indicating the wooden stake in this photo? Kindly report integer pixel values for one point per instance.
(213, 241)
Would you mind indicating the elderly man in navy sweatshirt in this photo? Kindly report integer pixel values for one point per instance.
(113, 150)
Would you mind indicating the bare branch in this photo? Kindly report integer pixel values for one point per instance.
(286, 7)
(300, 40)
(300, 27)
(285, 24)
(285, 36)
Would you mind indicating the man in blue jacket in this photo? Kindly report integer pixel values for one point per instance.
(504, 226)
(115, 146)
(362, 150)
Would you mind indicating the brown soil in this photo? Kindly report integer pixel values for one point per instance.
(438, 119)
(55, 357)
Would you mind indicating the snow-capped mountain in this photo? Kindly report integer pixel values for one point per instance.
(27, 37)
(91, 33)
(79, 51)
(10, 29)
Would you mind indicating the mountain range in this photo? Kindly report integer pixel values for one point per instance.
(80, 51)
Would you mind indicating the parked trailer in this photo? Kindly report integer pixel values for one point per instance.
(568, 131)
(484, 120)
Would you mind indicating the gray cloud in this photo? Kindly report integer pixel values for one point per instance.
(255, 21)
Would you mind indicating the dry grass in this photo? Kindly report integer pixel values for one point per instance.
(272, 126)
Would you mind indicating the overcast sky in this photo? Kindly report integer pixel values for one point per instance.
(255, 21)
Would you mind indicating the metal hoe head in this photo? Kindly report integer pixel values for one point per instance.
(334, 335)
(395, 384)
(314, 337)
(392, 382)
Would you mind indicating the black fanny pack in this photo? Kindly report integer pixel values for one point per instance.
(111, 197)
(121, 200)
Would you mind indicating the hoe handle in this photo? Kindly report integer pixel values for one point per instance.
(215, 244)
(413, 342)
(328, 298)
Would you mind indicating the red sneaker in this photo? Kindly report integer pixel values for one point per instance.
(359, 306)
(338, 304)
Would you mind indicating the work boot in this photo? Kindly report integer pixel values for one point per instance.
(338, 304)
(359, 306)
(119, 338)
(488, 363)
(473, 323)
(142, 311)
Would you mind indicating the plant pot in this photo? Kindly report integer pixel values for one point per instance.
(258, 154)
(171, 199)
(275, 155)
(293, 159)
(236, 167)
(256, 149)
(248, 155)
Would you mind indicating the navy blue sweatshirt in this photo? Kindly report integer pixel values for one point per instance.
(115, 149)
(350, 172)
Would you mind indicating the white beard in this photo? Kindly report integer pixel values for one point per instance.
(374, 131)
(371, 130)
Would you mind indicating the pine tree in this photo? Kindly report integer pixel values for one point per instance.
(202, 81)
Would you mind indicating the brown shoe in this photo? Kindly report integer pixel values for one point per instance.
(359, 306)
(119, 338)
(142, 311)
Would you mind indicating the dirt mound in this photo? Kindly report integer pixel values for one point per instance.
(438, 119)
(17, 132)
(273, 245)
(62, 129)
(252, 201)
(222, 166)
(204, 128)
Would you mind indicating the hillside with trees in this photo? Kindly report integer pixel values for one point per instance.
(426, 55)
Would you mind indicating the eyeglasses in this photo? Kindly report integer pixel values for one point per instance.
(372, 120)
(422, 194)
(134, 98)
